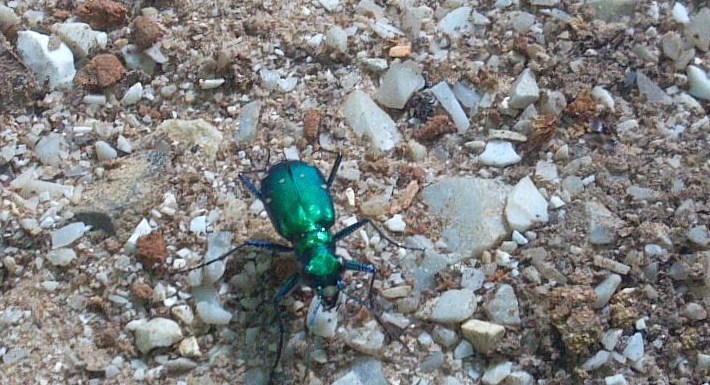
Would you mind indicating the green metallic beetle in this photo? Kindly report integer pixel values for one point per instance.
(298, 200)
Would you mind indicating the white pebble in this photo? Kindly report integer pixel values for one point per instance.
(500, 154)
(132, 95)
(337, 39)
(396, 224)
(199, 224)
(699, 82)
(104, 151)
(603, 97)
(123, 144)
(66, 235)
(213, 314)
(208, 84)
(680, 13)
(53, 66)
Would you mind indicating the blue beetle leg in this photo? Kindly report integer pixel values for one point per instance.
(258, 244)
(283, 293)
(250, 186)
(334, 171)
(319, 305)
(344, 233)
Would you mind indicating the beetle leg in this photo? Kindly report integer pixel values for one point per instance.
(283, 293)
(344, 233)
(334, 171)
(370, 305)
(258, 244)
(251, 187)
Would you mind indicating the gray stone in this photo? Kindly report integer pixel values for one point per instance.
(467, 96)
(503, 307)
(573, 185)
(50, 147)
(158, 332)
(596, 361)
(446, 97)
(457, 22)
(472, 278)
(61, 256)
(653, 93)
(606, 289)
(499, 153)
(642, 193)
(104, 151)
(601, 223)
(217, 244)
(432, 362)
(617, 379)
(366, 118)
(463, 349)
(495, 374)
(525, 206)
(337, 39)
(699, 236)
(68, 234)
(367, 339)
(399, 84)
(694, 311)
(699, 29)
(212, 313)
(610, 338)
(525, 90)
(248, 122)
(471, 211)
(699, 83)
(179, 365)
(364, 371)
(444, 336)
(81, 38)
(634, 349)
(454, 306)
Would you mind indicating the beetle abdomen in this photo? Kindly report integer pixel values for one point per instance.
(297, 199)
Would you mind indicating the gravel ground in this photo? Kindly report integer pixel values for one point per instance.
(550, 157)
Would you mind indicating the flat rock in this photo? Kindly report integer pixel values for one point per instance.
(495, 374)
(50, 59)
(454, 306)
(80, 38)
(248, 122)
(364, 371)
(651, 90)
(189, 133)
(446, 97)
(499, 153)
(502, 308)
(605, 290)
(601, 223)
(525, 206)
(399, 84)
(525, 90)
(366, 118)
(457, 22)
(158, 332)
(368, 339)
(471, 211)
